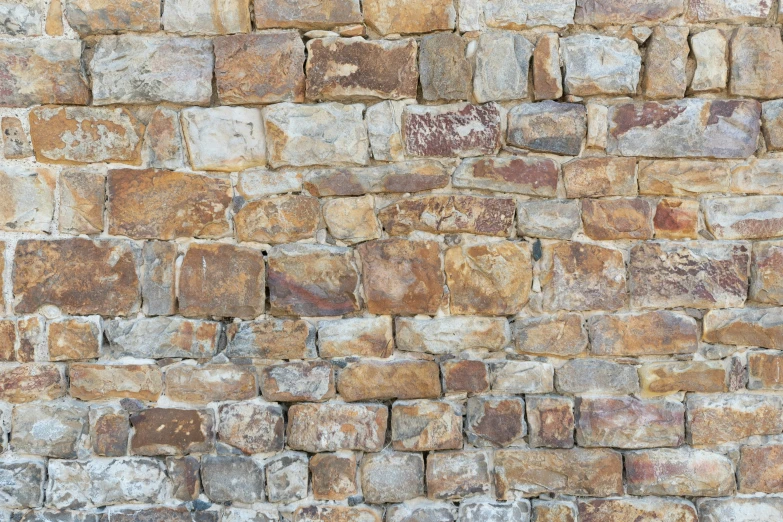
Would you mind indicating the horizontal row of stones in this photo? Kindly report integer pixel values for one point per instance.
(273, 67)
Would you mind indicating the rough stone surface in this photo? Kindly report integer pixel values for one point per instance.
(30, 204)
(532, 176)
(751, 217)
(598, 177)
(607, 219)
(389, 477)
(682, 177)
(715, 419)
(638, 509)
(451, 335)
(400, 379)
(317, 428)
(333, 475)
(90, 17)
(665, 74)
(410, 176)
(710, 50)
(517, 377)
(302, 14)
(651, 333)
(167, 431)
(454, 130)
(550, 219)
(408, 16)
(548, 126)
(445, 69)
(298, 381)
(603, 12)
(48, 431)
(612, 67)
(596, 376)
(547, 76)
(425, 426)
(755, 60)
(203, 384)
(251, 427)
(82, 196)
(278, 219)
(683, 472)
(452, 475)
(761, 327)
(559, 335)
(193, 17)
(224, 138)
(495, 421)
(100, 381)
(271, 339)
(16, 143)
(502, 65)
(550, 421)
(360, 336)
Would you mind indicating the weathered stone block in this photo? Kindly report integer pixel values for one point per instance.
(401, 379)
(726, 11)
(453, 130)
(161, 338)
(682, 177)
(495, 421)
(302, 14)
(271, 339)
(73, 339)
(352, 220)
(29, 202)
(759, 469)
(409, 176)
(425, 426)
(596, 64)
(501, 67)
(465, 376)
(90, 17)
(224, 138)
(749, 217)
(612, 12)
(109, 431)
(168, 431)
(333, 513)
(454, 475)
(690, 376)
(596, 376)
(405, 16)
(684, 472)
(517, 377)
(286, 477)
(449, 214)
(22, 483)
(551, 421)
(333, 475)
(761, 327)
(760, 509)
(21, 18)
(359, 336)
(651, 333)
(710, 50)
(607, 219)
(598, 177)
(49, 430)
(298, 381)
(82, 196)
(202, 384)
(549, 218)
(560, 335)
(232, 479)
(528, 13)
(164, 146)
(445, 70)
(452, 335)
(756, 54)
(665, 74)
(637, 509)
(764, 370)
(30, 382)
(257, 182)
(548, 126)
(421, 510)
(547, 76)
(91, 382)
(715, 419)
(676, 219)
(392, 477)
(252, 427)
(16, 143)
(532, 176)
(278, 219)
(473, 511)
(757, 176)
(384, 128)
(336, 426)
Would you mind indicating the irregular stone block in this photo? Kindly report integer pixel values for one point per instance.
(749, 217)
(303, 14)
(163, 146)
(384, 128)
(333, 475)
(224, 138)
(685, 472)
(352, 220)
(392, 477)
(405, 16)
(547, 76)
(168, 431)
(549, 218)
(651, 333)
(22, 483)
(91, 17)
(629, 423)
(28, 204)
(596, 64)
(184, 474)
(452, 335)
(757, 176)
(421, 510)
(161, 338)
(21, 18)
(401, 379)
(495, 421)
(110, 432)
(252, 427)
(760, 509)
(296, 284)
(409, 176)
(710, 50)
(332, 513)
(612, 12)
(41, 71)
(582, 276)
(278, 219)
(678, 129)
(715, 419)
(348, 69)
(771, 119)
(31, 382)
(77, 275)
(194, 17)
(298, 381)
(598, 177)
(16, 144)
(473, 511)
(82, 195)
(425, 426)
(554, 511)
(518, 377)
(764, 370)
(551, 421)
(322, 134)
(528, 13)
(501, 67)
(360, 336)
(49, 430)
(759, 469)
(221, 280)
(689, 376)
(266, 513)
(256, 182)
(682, 177)
(232, 479)
(665, 74)
(607, 219)
(533, 176)
(727, 11)
(676, 219)
(453, 130)
(465, 376)
(454, 475)
(73, 339)
(577, 471)
(596, 376)
(286, 477)
(271, 339)
(445, 70)
(336, 426)
(688, 274)
(151, 69)
(449, 214)
(67, 135)
(548, 126)
(401, 276)
(188, 383)
(91, 382)
(561, 335)
(761, 327)
(639, 509)
(158, 289)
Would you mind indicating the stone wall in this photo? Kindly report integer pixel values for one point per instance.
(403, 261)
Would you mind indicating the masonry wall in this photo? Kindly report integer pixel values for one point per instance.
(403, 261)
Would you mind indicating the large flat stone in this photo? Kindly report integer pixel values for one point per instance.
(224, 138)
(161, 338)
(447, 214)
(596, 64)
(749, 217)
(761, 327)
(529, 175)
(453, 130)
(90, 17)
(303, 14)
(407, 176)
(195, 17)
(335, 426)
(614, 12)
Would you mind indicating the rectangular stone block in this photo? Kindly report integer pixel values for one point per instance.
(759, 469)
(452, 335)
(228, 478)
(91, 17)
(683, 177)
(549, 218)
(82, 197)
(224, 138)
(683, 472)
(517, 377)
(494, 421)
(252, 426)
(748, 217)
(637, 509)
(764, 370)
(610, 219)
(400, 379)
(161, 338)
(402, 16)
(532, 176)
(21, 18)
(169, 431)
(454, 475)
(407, 176)
(615, 72)
(297, 381)
(559, 335)
(358, 336)
(91, 382)
(74, 339)
(761, 327)
(271, 339)
(455, 130)
(16, 143)
(528, 13)
(596, 376)
(333, 426)
(677, 219)
(755, 62)
(650, 333)
(49, 430)
(194, 17)
(689, 376)
(158, 289)
(548, 126)
(464, 376)
(598, 177)
(757, 176)
(550, 421)
(762, 509)
(28, 204)
(333, 475)
(612, 12)
(278, 219)
(302, 14)
(715, 419)
(20, 383)
(22, 483)
(212, 383)
(425, 425)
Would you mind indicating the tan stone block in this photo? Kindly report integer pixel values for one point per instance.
(163, 145)
(401, 276)
(8, 340)
(77, 275)
(596, 376)
(54, 19)
(279, 219)
(601, 176)
(650, 333)
(221, 280)
(715, 419)
(31, 332)
(259, 68)
(298, 381)
(302, 14)
(772, 123)
(251, 427)
(196, 17)
(333, 513)
(495, 421)
(336, 426)
(551, 421)
(169, 431)
(764, 370)
(91, 382)
(682, 177)
(614, 12)
(28, 201)
(454, 475)
(349, 69)
(682, 472)
(559, 335)
(297, 285)
(408, 176)
(359, 336)
(82, 196)
(581, 276)
(202, 384)
(408, 16)
(637, 509)
(761, 327)
(676, 219)
(393, 379)
(665, 74)
(21, 383)
(257, 182)
(90, 17)
(756, 61)
(547, 77)
(449, 214)
(73, 339)
(271, 339)
(607, 219)
(425, 426)
(16, 144)
(333, 475)
(533, 176)
(446, 72)
(518, 377)
(577, 471)
(452, 335)
(352, 220)
(37, 72)
(466, 376)
(760, 469)
(690, 376)
(224, 138)
(757, 176)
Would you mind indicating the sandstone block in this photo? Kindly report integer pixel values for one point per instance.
(164, 146)
(732, 12)
(596, 64)
(392, 477)
(547, 77)
(188, 383)
(336, 426)
(401, 276)
(221, 280)
(763, 509)
(585, 472)
(715, 419)
(449, 214)
(759, 469)
(465, 376)
(599, 12)
(676, 219)
(302, 14)
(278, 219)
(224, 138)
(581, 276)
(607, 219)
(48, 430)
(452, 335)
(192, 17)
(333, 475)
(256, 182)
(495, 421)
(406, 16)
(559, 335)
(21, 18)
(710, 50)
(665, 74)
(551, 421)
(764, 370)
(454, 475)
(761, 327)
(168, 431)
(77, 275)
(90, 17)
(453, 130)
(425, 426)
(259, 68)
(16, 144)
(678, 129)
(348, 69)
(771, 119)
(598, 177)
(22, 483)
(749, 217)
(30, 382)
(445, 70)
(42, 71)
(232, 479)
(298, 381)
(682, 177)
(757, 176)
(322, 134)
(110, 432)
(151, 69)
(158, 289)
(332, 513)
(400, 379)
(548, 126)
(422, 510)
(29, 202)
(271, 339)
(473, 511)
(252, 427)
(161, 338)
(638, 509)
(596, 376)
(527, 13)
(409, 176)
(549, 218)
(82, 195)
(518, 377)
(651, 333)
(532, 176)
(91, 382)
(73, 339)
(502, 65)
(384, 128)
(368, 337)
(692, 274)
(68, 135)
(755, 61)
(685, 472)
(286, 477)
(690, 376)
(352, 220)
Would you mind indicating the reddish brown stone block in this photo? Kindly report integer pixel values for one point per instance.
(425, 426)
(551, 421)
(765, 370)
(109, 433)
(495, 421)
(676, 219)
(333, 475)
(715, 419)
(465, 376)
(650, 333)
(440, 131)
(681, 472)
(533, 176)
(168, 431)
(281, 219)
(761, 469)
(30, 382)
(394, 379)
(606, 219)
